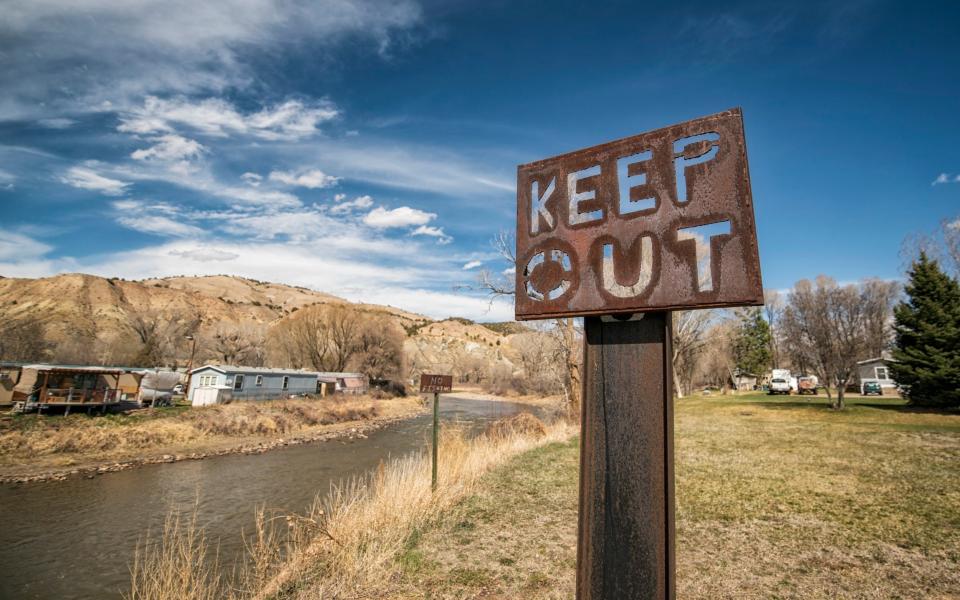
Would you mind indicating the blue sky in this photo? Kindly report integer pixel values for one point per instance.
(369, 149)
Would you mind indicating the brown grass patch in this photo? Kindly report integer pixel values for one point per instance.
(27, 438)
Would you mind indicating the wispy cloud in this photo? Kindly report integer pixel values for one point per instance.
(945, 178)
(404, 216)
(131, 50)
(88, 179)
(170, 147)
(346, 207)
(203, 254)
(15, 247)
(308, 178)
(473, 264)
(435, 232)
(290, 120)
(155, 219)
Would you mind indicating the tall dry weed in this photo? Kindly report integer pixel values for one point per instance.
(346, 546)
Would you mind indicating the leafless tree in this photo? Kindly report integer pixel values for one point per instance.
(689, 338)
(879, 298)
(311, 337)
(234, 344)
(22, 338)
(568, 332)
(380, 349)
(160, 333)
(343, 323)
(773, 311)
(716, 365)
(827, 324)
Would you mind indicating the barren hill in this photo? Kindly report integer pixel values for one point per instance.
(84, 314)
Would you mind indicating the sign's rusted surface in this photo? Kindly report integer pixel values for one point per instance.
(435, 384)
(658, 221)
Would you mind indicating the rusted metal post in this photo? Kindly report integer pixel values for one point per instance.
(626, 525)
(436, 437)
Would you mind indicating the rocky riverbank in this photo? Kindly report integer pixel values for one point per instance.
(33, 452)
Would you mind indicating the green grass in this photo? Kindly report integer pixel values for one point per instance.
(776, 498)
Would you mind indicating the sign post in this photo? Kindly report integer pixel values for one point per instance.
(435, 384)
(621, 234)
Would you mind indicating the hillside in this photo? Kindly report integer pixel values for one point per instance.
(81, 312)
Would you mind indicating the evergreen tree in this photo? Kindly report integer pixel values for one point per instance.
(927, 325)
(751, 348)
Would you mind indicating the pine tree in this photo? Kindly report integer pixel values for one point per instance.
(927, 325)
(751, 348)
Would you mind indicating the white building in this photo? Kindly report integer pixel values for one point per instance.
(212, 384)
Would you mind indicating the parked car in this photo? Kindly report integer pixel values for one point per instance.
(779, 386)
(807, 385)
(871, 388)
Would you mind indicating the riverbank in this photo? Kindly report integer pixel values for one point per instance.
(43, 448)
(352, 543)
(775, 498)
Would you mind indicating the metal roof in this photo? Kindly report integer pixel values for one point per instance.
(230, 369)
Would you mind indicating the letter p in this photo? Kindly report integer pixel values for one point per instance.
(691, 151)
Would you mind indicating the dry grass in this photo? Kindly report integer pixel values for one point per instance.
(775, 499)
(351, 543)
(782, 499)
(27, 438)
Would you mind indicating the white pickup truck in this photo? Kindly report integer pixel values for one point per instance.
(779, 385)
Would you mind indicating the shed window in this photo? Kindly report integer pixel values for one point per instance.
(259, 380)
(286, 382)
(882, 372)
(238, 382)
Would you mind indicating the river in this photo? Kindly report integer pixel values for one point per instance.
(75, 539)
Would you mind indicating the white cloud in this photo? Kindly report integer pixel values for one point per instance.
(158, 218)
(87, 179)
(16, 248)
(57, 123)
(437, 232)
(205, 254)
(170, 147)
(941, 178)
(473, 264)
(120, 52)
(403, 216)
(252, 179)
(359, 203)
(6, 179)
(203, 181)
(159, 225)
(408, 166)
(290, 120)
(311, 178)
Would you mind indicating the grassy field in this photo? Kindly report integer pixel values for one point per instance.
(776, 498)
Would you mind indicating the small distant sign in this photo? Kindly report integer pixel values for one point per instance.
(657, 221)
(435, 384)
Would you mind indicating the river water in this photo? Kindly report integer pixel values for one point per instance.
(75, 539)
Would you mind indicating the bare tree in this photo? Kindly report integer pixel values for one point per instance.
(568, 332)
(879, 298)
(310, 332)
(689, 339)
(717, 363)
(773, 311)
(160, 333)
(828, 324)
(238, 345)
(22, 338)
(343, 323)
(380, 349)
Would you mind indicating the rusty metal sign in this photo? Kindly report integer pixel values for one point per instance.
(658, 221)
(435, 384)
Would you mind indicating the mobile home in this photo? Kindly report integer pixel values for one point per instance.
(212, 384)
